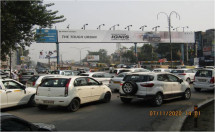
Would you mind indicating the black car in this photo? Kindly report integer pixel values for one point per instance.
(13, 123)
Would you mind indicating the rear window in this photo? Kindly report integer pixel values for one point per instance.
(138, 78)
(54, 82)
(33, 79)
(84, 75)
(177, 71)
(157, 70)
(121, 71)
(204, 73)
(28, 73)
(55, 72)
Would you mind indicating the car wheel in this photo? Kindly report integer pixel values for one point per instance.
(197, 89)
(32, 102)
(187, 94)
(188, 80)
(107, 97)
(74, 105)
(42, 107)
(126, 100)
(158, 99)
(129, 88)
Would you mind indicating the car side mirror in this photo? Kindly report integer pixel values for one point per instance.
(100, 83)
(180, 81)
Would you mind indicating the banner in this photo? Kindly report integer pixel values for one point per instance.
(93, 58)
(48, 54)
(121, 36)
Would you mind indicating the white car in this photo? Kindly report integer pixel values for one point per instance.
(154, 87)
(161, 70)
(35, 80)
(70, 92)
(99, 76)
(204, 79)
(120, 70)
(14, 93)
(185, 74)
(114, 83)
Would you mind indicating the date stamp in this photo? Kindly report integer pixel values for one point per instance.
(172, 113)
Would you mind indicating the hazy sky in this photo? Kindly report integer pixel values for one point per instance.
(197, 14)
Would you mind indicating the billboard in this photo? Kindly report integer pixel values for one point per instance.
(48, 54)
(121, 36)
(47, 35)
(93, 58)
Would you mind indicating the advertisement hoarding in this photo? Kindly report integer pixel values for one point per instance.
(47, 35)
(119, 36)
(93, 58)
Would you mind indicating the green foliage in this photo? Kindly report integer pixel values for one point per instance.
(18, 21)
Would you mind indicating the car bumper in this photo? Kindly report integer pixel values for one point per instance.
(203, 86)
(54, 101)
(145, 97)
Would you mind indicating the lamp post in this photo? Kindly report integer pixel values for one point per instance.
(169, 25)
(184, 27)
(80, 51)
(156, 27)
(128, 27)
(176, 29)
(114, 26)
(67, 27)
(142, 27)
(100, 26)
(84, 26)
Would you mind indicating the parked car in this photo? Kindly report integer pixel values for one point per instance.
(114, 83)
(99, 76)
(14, 93)
(133, 70)
(64, 72)
(10, 122)
(70, 92)
(161, 70)
(155, 87)
(25, 75)
(35, 80)
(185, 74)
(204, 79)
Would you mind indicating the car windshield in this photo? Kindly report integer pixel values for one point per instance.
(84, 75)
(33, 79)
(177, 71)
(54, 82)
(138, 78)
(204, 73)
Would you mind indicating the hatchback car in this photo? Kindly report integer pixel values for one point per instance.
(70, 92)
(185, 74)
(14, 93)
(10, 122)
(204, 79)
(154, 87)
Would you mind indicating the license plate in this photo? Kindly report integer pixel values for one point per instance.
(117, 82)
(48, 101)
(202, 80)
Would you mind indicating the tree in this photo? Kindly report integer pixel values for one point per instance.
(18, 21)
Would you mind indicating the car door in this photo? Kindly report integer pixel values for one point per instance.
(3, 96)
(165, 84)
(15, 93)
(176, 86)
(97, 90)
(84, 91)
(191, 74)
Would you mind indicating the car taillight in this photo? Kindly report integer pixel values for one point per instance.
(121, 84)
(182, 74)
(67, 87)
(212, 80)
(147, 85)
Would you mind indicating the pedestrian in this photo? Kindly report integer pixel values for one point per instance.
(15, 76)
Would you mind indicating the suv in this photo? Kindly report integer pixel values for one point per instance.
(204, 79)
(70, 92)
(154, 87)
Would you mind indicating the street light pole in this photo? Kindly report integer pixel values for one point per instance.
(169, 25)
(187, 57)
(176, 29)
(142, 27)
(100, 26)
(155, 28)
(84, 26)
(128, 27)
(114, 26)
(80, 51)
